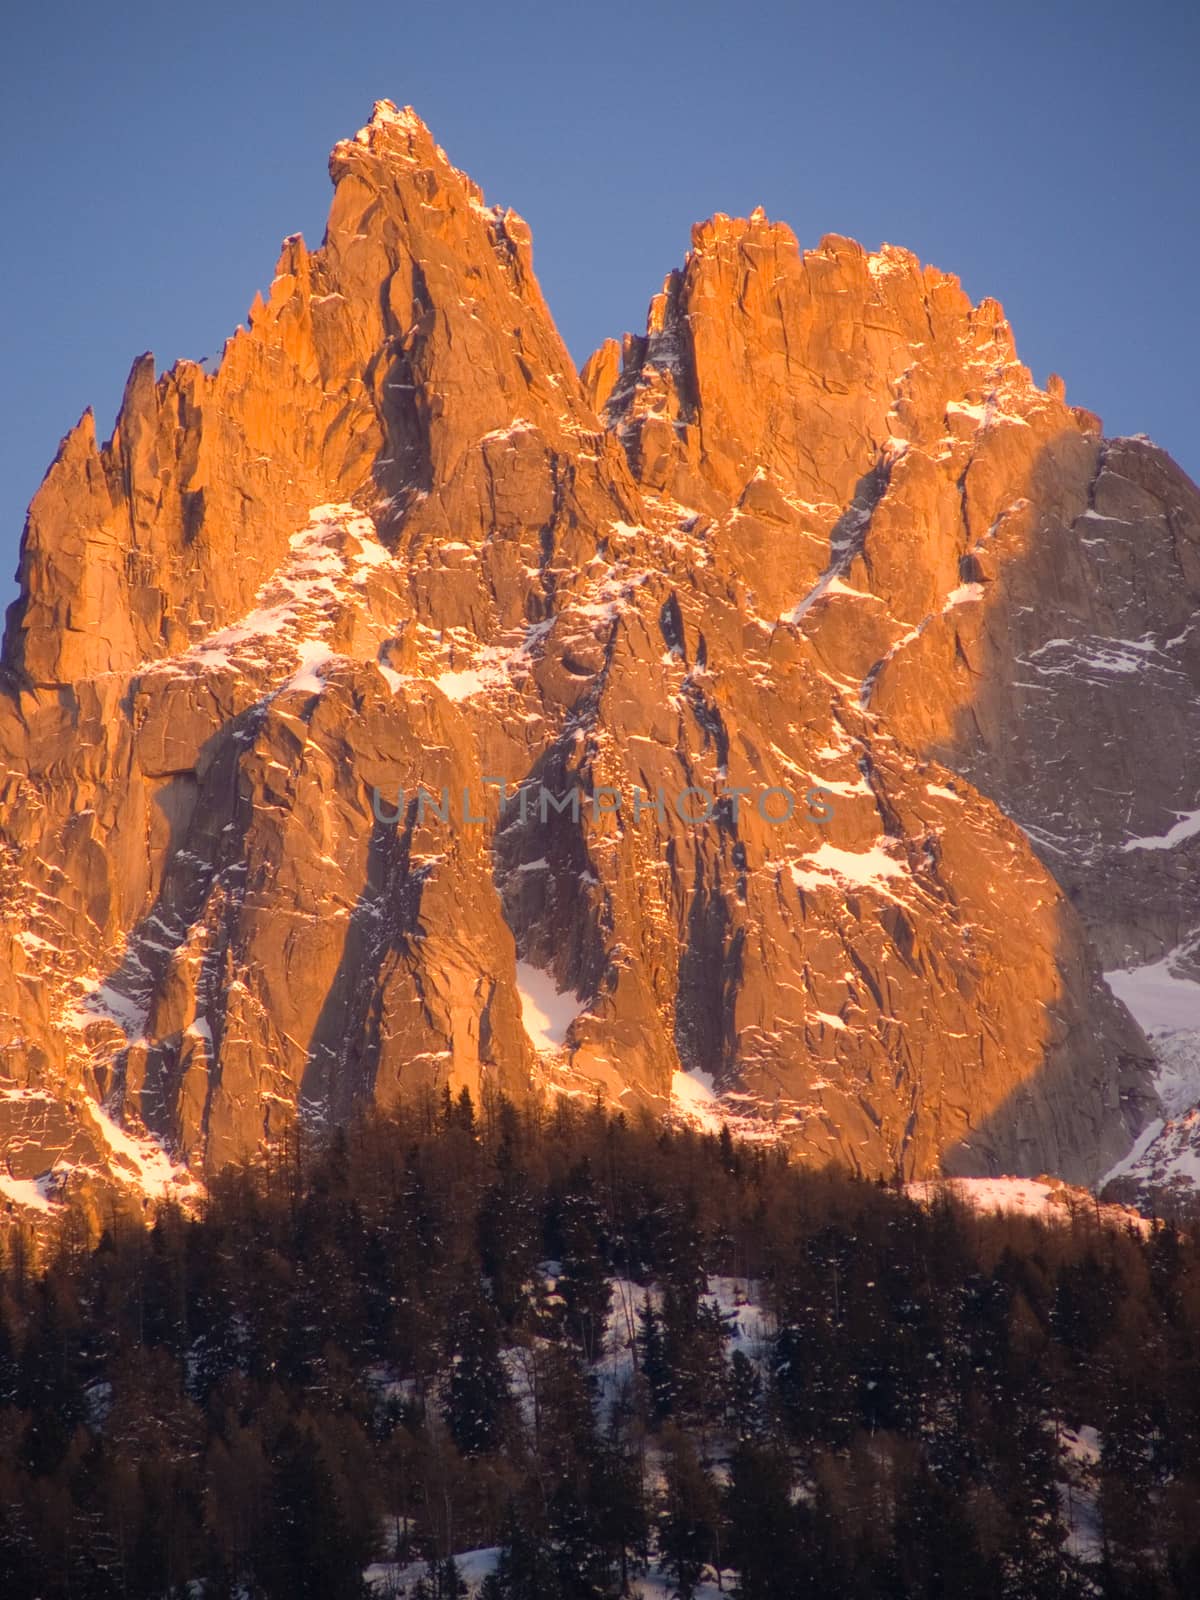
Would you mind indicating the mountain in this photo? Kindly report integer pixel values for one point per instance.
(282, 638)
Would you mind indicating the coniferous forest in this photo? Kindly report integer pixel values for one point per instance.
(619, 1357)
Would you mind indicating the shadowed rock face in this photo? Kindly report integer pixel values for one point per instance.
(817, 529)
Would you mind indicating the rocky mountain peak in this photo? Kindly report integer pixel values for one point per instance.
(390, 707)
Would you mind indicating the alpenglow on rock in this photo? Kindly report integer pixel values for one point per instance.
(816, 531)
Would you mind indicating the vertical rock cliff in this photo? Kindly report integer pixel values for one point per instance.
(393, 707)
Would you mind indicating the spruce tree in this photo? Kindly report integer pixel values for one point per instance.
(689, 1515)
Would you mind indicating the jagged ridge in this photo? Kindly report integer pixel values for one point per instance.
(821, 529)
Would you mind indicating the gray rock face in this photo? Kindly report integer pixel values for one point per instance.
(816, 532)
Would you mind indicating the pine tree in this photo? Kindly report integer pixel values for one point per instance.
(441, 1580)
(937, 1546)
(689, 1515)
(527, 1569)
(728, 1153)
(617, 1492)
(508, 1233)
(652, 1360)
(584, 1281)
(320, 1533)
(695, 1333)
(745, 1397)
(477, 1401)
(766, 1531)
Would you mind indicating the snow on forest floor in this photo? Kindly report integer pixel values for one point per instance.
(1078, 1491)
(750, 1328)
(747, 1321)
(657, 1586)
(393, 1581)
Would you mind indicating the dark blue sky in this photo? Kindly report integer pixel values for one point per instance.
(153, 157)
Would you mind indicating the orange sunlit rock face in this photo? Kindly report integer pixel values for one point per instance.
(806, 533)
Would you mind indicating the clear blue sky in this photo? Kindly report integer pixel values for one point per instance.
(154, 155)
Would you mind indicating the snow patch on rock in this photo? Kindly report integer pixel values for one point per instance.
(546, 1011)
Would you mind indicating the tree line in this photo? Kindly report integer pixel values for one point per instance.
(451, 1327)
